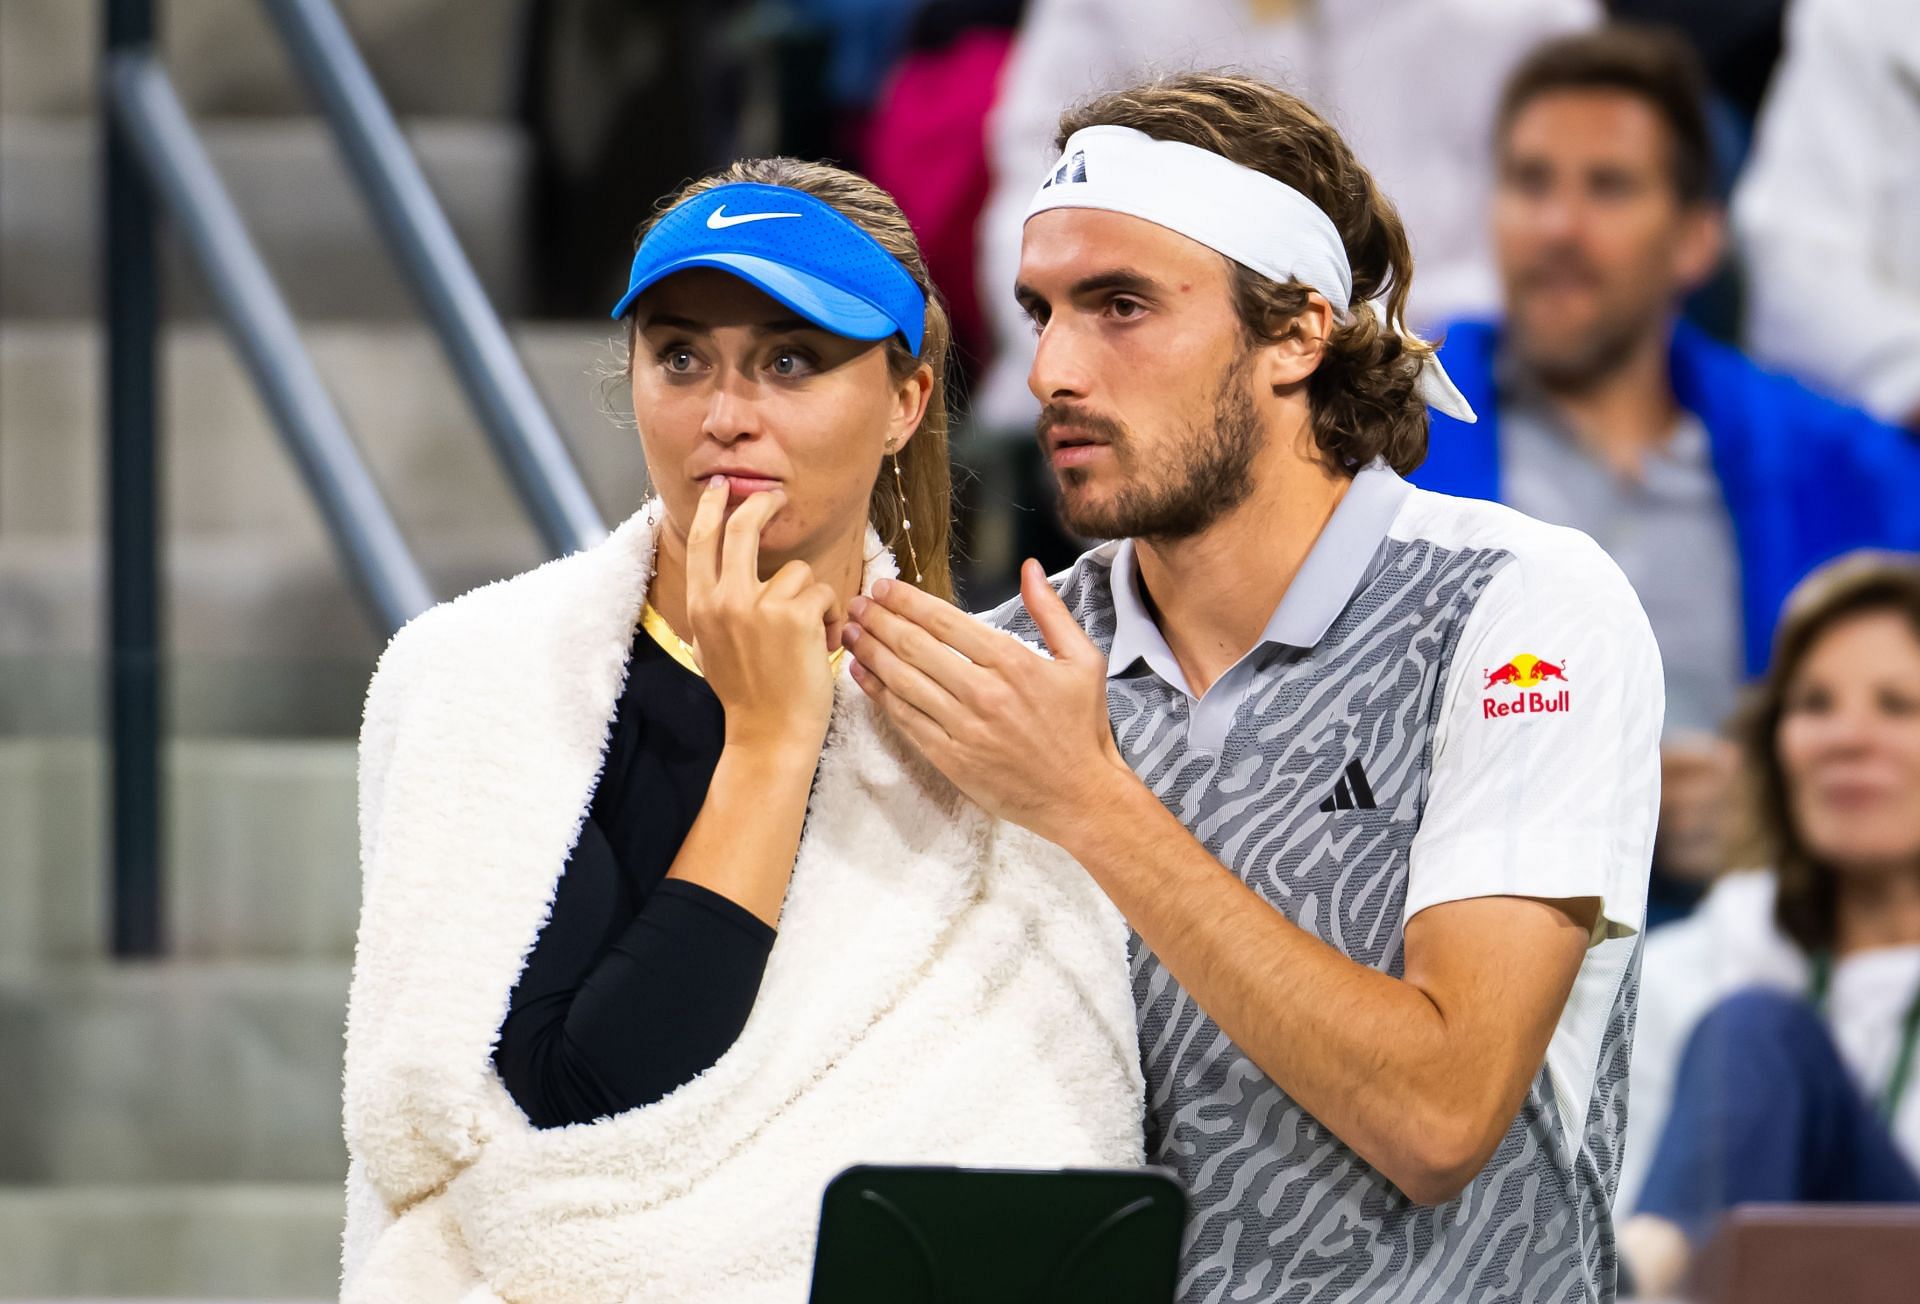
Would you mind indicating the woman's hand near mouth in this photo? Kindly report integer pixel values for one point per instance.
(761, 644)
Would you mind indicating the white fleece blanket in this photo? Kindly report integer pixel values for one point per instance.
(944, 987)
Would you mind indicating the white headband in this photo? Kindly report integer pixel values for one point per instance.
(1248, 216)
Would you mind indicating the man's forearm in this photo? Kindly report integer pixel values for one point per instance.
(1373, 1058)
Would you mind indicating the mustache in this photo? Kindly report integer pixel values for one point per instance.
(1559, 262)
(1055, 415)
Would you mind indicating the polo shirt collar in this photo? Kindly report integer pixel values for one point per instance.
(1332, 571)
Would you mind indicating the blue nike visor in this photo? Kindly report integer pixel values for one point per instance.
(797, 249)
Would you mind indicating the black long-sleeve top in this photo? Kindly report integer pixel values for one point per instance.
(637, 983)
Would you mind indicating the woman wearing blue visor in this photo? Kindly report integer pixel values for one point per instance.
(663, 926)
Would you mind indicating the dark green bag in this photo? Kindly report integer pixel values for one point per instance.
(994, 1236)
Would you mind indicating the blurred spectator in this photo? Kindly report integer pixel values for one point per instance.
(1738, 41)
(838, 54)
(625, 99)
(622, 102)
(866, 37)
(1715, 485)
(935, 106)
(1774, 1056)
(1829, 211)
(1411, 83)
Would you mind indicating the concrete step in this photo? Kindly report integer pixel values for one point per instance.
(260, 849)
(175, 1071)
(224, 467)
(219, 1241)
(264, 638)
(453, 57)
(253, 578)
(310, 224)
(265, 633)
(57, 695)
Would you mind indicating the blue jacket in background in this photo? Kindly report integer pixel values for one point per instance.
(1805, 478)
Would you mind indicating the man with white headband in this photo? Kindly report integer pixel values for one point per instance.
(1371, 771)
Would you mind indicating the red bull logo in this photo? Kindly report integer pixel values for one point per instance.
(1525, 672)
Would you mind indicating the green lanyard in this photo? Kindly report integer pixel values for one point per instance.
(1889, 1101)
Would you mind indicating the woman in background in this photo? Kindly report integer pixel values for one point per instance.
(1775, 1057)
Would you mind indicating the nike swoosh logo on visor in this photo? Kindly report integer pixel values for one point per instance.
(718, 220)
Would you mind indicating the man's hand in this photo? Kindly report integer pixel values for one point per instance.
(1025, 737)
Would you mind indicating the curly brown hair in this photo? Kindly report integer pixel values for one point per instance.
(1853, 585)
(1363, 395)
(926, 473)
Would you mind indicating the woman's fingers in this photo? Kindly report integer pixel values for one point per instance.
(703, 539)
(833, 612)
(795, 583)
(833, 608)
(740, 560)
(792, 579)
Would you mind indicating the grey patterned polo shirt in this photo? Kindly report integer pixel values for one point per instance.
(1451, 701)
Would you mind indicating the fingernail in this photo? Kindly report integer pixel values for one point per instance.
(850, 635)
(882, 587)
(857, 608)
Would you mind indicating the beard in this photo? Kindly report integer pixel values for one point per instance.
(1578, 363)
(1572, 361)
(1191, 485)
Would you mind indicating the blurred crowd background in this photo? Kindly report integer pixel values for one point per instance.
(1673, 247)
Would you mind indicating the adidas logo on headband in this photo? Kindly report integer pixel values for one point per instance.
(1070, 170)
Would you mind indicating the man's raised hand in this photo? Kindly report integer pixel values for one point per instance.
(1025, 737)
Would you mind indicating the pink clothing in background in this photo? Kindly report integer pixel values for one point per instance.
(927, 145)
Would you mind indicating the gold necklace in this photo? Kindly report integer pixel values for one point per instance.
(682, 651)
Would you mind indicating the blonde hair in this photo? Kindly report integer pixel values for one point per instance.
(1363, 394)
(925, 471)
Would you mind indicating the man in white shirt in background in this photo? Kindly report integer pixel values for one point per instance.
(1828, 213)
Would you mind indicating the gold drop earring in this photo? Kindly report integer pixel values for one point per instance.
(906, 525)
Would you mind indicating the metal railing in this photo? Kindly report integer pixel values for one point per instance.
(155, 123)
(428, 252)
(155, 159)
